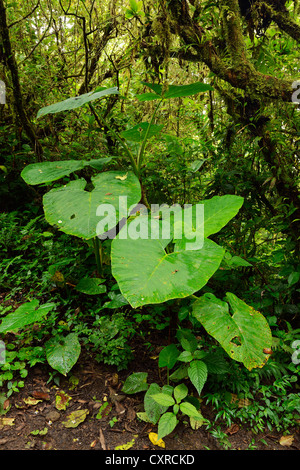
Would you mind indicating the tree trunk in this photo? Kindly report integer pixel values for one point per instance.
(11, 64)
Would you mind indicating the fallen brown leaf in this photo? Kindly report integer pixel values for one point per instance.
(119, 408)
(41, 395)
(286, 441)
(131, 414)
(233, 429)
(102, 440)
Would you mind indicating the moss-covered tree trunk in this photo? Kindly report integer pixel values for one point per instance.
(239, 72)
(12, 66)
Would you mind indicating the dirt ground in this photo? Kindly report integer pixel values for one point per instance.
(37, 418)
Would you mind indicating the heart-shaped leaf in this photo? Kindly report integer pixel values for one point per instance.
(147, 274)
(63, 353)
(168, 356)
(82, 213)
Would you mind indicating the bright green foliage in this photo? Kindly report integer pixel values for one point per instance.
(173, 91)
(76, 102)
(46, 172)
(26, 314)
(91, 286)
(63, 352)
(147, 274)
(74, 210)
(244, 335)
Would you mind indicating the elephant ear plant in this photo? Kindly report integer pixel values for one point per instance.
(150, 263)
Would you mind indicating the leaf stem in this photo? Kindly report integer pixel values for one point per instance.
(141, 152)
(118, 138)
(97, 248)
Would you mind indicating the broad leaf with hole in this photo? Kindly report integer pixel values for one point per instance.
(76, 102)
(62, 353)
(82, 213)
(244, 334)
(26, 314)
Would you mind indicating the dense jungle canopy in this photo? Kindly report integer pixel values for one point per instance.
(240, 138)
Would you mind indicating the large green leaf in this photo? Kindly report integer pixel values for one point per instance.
(217, 212)
(244, 335)
(26, 314)
(173, 91)
(163, 399)
(74, 210)
(189, 410)
(46, 172)
(147, 274)
(63, 353)
(75, 102)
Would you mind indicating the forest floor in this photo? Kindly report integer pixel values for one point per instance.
(34, 421)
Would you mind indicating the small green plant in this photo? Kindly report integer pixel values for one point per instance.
(163, 406)
(221, 437)
(192, 363)
(16, 366)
